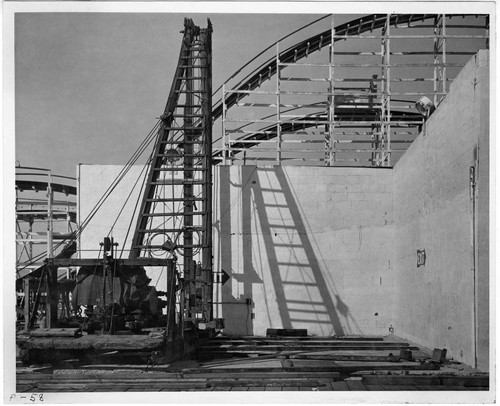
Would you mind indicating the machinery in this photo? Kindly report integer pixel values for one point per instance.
(111, 299)
(352, 103)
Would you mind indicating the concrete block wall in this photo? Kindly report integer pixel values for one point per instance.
(93, 181)
(311, 247)
(116, 216)
(438, 304)
(334, 250)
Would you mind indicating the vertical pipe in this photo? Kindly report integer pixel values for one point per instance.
(329, 134)
(170, 299)
(224, 113)
(436, 51)
(30, 237)
(52, 293)
(50, 225)
(443, 33)
(388, 85)
(473, 176)
(278, 106)
(383, 89)
(26, 287)
(78, 205)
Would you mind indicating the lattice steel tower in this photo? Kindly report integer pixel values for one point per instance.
(175, 218)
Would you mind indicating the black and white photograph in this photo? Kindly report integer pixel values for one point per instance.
(248, 197)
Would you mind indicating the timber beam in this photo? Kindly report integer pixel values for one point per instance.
(65, 262)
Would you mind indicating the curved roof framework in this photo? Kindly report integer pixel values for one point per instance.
(45, 217)
(346, 102)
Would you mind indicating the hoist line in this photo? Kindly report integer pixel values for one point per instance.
(128, 197)
(136, 205)
(131, 161)
(119, 177)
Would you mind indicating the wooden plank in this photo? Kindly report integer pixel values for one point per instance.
(374, 388)
(239, 388)
(301, 345)
(85, 386)
(222, 352)
(469, 381)
(355, 384)
(222, 388)
(262, 375)
(257, 388)
(88, 342)
(334, 369)
(339, 386)
(273, 388)
(399, 387)
(341, 357)
(305, 388)
(261, 382)
(304, 338)
(134, 377)
(428, 387)
(24, 388)
(121, 381)
(56, 332)
(400, 380)
(288, 332)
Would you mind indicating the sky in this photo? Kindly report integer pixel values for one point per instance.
(90, 86)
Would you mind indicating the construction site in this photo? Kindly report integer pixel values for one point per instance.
(319, 221)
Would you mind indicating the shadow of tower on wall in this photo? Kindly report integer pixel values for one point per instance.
(270, 244)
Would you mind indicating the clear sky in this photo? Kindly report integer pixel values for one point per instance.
(89, 86)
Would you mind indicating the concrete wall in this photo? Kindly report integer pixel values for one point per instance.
(115, 213)
(439, 304)
(310, 246)
(334, 250)
(115, 217)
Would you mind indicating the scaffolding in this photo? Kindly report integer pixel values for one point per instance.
(45, 228)
(346, 96)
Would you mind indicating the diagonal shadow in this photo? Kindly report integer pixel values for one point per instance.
(237, 306)
(297, 275)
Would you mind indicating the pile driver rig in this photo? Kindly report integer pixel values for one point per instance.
(117, 308)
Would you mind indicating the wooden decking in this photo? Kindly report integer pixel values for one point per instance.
(267, 364)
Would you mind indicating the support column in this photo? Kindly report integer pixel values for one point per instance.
(278, 107)
(52, 296)
(330, 127)
(51, 282)
(387, 158)
(443, 57)
(171, 279)
(224, 136)
(26, 288)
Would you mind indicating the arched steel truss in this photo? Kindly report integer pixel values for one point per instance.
(352, 103)
(45, 217)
